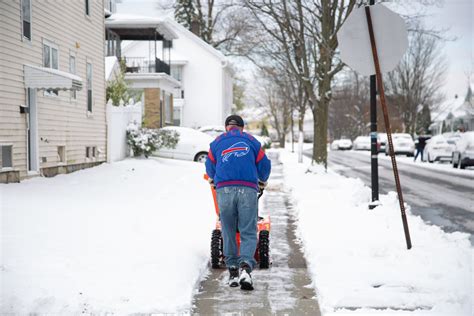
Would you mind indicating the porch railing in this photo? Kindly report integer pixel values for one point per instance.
(145, 65)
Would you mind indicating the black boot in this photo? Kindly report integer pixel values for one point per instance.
(233, 276)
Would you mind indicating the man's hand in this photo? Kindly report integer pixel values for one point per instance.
(211, 182)
(262, 184)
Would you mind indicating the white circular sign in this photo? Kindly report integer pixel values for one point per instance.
(391, 38)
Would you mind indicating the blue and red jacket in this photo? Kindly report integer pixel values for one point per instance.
(237, 159)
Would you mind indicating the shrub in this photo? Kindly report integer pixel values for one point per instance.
(144, 141)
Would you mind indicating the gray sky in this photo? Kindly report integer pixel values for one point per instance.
(454, 15)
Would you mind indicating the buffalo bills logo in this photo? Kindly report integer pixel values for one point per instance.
(238, 150)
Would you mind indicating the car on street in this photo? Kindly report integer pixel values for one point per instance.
(213, 130)
(463, 154)
(437, 149)
(341, 144)
(402, 144)
(192, 145)
(361, 143)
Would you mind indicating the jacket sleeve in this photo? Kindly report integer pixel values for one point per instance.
(211, 164)
(264, 165)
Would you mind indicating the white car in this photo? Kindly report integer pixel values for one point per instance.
(213, 130)
(192, 145)
(341, 144)
(463, 155)
(437, 148)
(361, 143)
(402, 144)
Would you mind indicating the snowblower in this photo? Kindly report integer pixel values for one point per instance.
(262, 252)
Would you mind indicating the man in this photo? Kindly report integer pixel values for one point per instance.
(237, 166)
(420, 145)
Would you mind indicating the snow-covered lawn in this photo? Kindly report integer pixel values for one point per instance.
(358, 257)
(129, 237)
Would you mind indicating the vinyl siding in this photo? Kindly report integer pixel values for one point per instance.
(61, 121)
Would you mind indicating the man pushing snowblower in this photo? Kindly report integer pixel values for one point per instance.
(237, 166)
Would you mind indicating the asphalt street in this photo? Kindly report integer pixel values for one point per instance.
(439, 197)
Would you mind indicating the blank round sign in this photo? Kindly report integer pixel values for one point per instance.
(391, 39)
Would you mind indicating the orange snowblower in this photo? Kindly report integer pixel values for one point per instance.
(262, 253)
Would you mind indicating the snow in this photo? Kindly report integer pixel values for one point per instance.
(358, 258)
(128, 237)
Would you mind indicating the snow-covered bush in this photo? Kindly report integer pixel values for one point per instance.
(145, 140)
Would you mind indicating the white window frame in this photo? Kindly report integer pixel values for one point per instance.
(24, 38)
(89, 85)
(73, 94)
(51, 46)
(1, 166)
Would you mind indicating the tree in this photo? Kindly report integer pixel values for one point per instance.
(414, 85)
(306, 30)
(238, 90)
(185, 12)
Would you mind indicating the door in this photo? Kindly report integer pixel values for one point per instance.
(32, 131)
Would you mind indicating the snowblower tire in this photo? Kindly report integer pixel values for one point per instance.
(216, 249)
(264, 249)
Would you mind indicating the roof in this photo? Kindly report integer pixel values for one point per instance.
(136, 27)
(47, 78)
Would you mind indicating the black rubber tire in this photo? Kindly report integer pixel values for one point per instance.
(455, 165)
(200, 157)
(264, 249)
(216, 249)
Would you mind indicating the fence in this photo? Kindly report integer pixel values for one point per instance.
(118, 118)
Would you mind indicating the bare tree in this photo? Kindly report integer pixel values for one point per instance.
(416, 81)
(306, 30)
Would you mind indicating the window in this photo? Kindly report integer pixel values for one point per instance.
(91, 152)
(50, 60)
(72, 70)
(168, 108)
(6, 159)
(167, 44)
(177, 72)
(87, 7)
(26, 18)
(89, 86)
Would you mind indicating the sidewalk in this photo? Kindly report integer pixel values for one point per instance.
(358, 259)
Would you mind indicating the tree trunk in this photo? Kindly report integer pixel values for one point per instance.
(320, 114)
(282, 141)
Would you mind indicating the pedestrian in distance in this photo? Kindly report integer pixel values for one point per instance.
(237, 166)
(420, 146)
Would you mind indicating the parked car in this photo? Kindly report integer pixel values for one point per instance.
(341, 144)
(402, 144)
(361, 143)
(381, 142)
(192, 145)
(437, 148)
(463, 154)
(213, 130)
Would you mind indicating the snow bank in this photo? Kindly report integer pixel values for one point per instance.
(130, 237)
(358, 257)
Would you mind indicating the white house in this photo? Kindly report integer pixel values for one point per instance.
(52, 88)
(205, 95)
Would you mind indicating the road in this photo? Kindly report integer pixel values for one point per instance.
(439, 197)
(281, 290)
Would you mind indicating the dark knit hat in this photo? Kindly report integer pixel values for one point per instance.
(234, 120)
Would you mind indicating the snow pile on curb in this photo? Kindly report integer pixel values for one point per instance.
(129, 237)
(358, 257)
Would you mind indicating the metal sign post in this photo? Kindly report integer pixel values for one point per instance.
(374, 162)
(378, 75)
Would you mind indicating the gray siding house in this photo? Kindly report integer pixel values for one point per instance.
(52, 87)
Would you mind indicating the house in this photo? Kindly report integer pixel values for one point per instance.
(460, 115)
(52, 88)
(205, 96)
(150, 72)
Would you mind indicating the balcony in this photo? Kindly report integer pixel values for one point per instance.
(145, 65)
